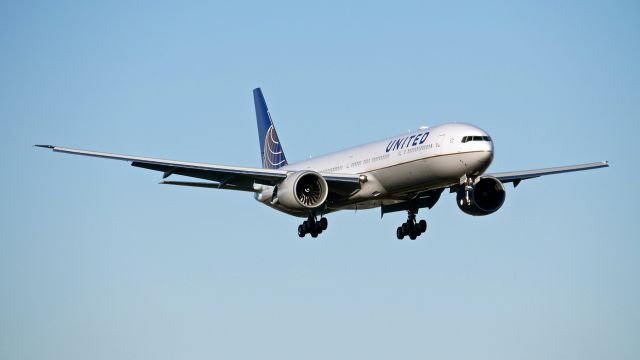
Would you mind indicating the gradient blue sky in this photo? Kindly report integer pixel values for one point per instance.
(97, 261)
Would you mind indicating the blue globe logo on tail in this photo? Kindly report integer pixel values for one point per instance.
(270, 146)
(272, 154)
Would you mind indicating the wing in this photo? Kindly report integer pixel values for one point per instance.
(227, 177)
(517, 176)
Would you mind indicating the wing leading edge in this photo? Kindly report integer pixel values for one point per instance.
(230, 177)
(517, 176)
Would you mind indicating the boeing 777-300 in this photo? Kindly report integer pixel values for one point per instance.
(401, 173)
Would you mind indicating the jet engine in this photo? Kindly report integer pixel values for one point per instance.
(301, 190)
(483, 198)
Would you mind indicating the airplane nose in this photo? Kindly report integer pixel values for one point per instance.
(488, 148)
(478, 162)
(485, 157)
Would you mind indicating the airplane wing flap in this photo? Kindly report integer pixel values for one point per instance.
(210, 185)
(226, 177)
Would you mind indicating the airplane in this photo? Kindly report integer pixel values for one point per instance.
(406, 172)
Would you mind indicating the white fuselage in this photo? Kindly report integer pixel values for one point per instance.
(399, 167)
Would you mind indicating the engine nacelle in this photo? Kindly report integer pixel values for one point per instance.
(487, 197)
(301, 190)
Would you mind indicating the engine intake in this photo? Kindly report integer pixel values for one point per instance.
(301, 190)
(487, 197)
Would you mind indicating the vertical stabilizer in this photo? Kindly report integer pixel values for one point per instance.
(270, 146)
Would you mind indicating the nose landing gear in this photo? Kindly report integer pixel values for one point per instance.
(469, 184)
(313, 226)
(411, 228)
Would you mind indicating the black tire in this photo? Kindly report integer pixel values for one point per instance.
(399, 233)
(406, 229)
(423, 225)
(413, 236)
(301, 232)
(324, 223)
(314, 234)
(308, 226)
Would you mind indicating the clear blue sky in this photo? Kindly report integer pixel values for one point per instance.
(97, 261)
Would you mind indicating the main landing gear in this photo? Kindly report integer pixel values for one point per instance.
(313, 226)
(412, 228)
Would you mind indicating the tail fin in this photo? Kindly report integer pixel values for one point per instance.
(270, 147)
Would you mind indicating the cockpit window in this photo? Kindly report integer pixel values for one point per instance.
(475, 138)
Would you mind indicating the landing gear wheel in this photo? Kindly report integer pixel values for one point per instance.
(308, 226)
(324, 223)
(405, 229)
(423, 225)
(411, 227)
(415, 231)
(313, 226)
